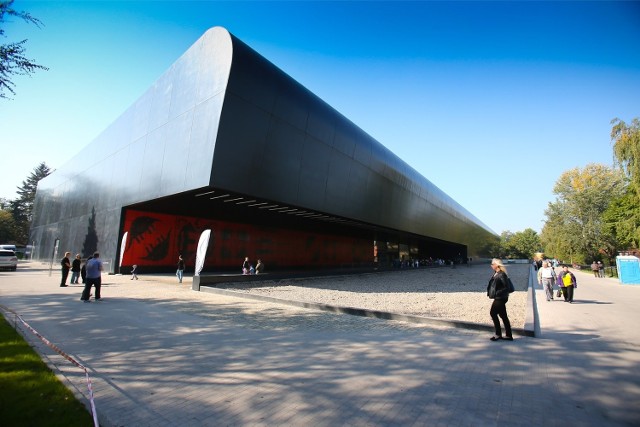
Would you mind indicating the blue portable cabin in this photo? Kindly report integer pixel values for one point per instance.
(628, 269)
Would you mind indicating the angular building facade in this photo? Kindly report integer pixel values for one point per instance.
(226, 141)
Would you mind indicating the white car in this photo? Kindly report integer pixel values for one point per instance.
(8, 259)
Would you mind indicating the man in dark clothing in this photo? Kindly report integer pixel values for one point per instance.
(75, 270)
(66, 265)
(94, 278)
(180, 270)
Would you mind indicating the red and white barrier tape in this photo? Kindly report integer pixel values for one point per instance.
(63, 354)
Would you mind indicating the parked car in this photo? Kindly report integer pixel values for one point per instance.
(8, 259)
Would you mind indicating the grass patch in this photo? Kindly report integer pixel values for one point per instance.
(30, 394)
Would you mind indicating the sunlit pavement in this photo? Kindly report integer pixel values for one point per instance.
(160, 354)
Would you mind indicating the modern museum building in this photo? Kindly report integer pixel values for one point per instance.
(225, 141)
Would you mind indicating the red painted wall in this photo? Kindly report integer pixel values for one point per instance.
(156, 240)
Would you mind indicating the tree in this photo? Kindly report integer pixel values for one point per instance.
(504, 247)
(622, 219)
(575, 226)
(519, 245)
(12, 59)
(524, 244)
(559, 237)
(22, 207)
(623, 216)
(626, 149)
(7, 227)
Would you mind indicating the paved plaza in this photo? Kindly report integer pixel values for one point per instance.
(160, 354)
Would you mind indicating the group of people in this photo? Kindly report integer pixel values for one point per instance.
(565, 281)
(73, 266)
(90, 272)
(248, 268)
(427, 262)
(499, 289)
(598, 268)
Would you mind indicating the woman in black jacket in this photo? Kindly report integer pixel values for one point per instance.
(498, 291)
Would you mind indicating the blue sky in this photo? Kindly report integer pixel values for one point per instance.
(490, 101)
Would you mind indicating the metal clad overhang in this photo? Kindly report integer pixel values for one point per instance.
(224, 117)
(279, 141)
(163, 143)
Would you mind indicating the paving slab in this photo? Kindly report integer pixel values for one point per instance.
(600, 342)
(160, 354)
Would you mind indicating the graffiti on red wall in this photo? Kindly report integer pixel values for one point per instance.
(157, 240)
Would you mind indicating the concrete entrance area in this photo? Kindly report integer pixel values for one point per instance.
(161, 354)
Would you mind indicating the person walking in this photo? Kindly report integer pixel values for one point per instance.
(75, 270)
(259, 267)
(134, 273)
(560, 283)
(65, 266)
(498, 291)
(595, 269)
(94, 278)
(600, 269)
(546, 278)
(245, 266)
(569, 282)
(180, 271)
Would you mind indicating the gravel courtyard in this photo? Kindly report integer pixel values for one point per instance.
(442, 292)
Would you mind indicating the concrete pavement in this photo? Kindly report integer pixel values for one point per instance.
(597, 341)
(161, 354)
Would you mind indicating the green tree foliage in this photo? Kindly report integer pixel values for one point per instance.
(622, 219)
(626, 149)
(623, 216)
(502, 250)
(7, 227)
(519, 245)
(559, 237)
(575, 228)
(22, 207)
(12, 59)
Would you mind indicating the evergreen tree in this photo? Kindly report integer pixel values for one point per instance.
(22, 208)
